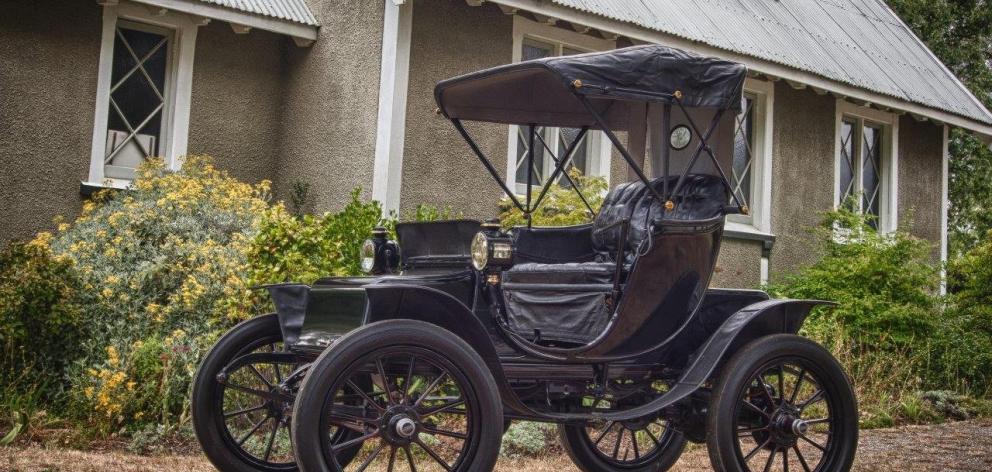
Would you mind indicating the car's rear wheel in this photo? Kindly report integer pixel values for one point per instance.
(418, 396)
(782, 403)
(647, 445)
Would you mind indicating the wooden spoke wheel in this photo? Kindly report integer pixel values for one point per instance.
(783, 403)
(416, 397)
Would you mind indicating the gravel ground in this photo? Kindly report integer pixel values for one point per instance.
(959, 446)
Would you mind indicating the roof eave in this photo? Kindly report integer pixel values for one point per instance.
(303, 34)
(755, 64)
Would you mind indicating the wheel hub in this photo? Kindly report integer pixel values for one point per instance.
(400, 425)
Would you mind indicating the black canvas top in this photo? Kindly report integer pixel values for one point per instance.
(544, 92)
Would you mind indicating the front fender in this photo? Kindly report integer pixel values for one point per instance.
(404, 301)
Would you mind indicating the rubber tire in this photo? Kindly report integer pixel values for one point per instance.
(579, 450)
(205, 425)
(720, 440)
(306, 434)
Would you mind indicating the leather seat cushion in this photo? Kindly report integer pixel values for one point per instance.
(568, 273)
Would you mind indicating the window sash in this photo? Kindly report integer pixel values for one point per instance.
(584, 158)
(862, 178)
(137, 131)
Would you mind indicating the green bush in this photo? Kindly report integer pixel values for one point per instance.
(167, 256)
(527, 438)
(561, 206)
(969, 313)
(291, 248)
(40, 318)
(890, 327)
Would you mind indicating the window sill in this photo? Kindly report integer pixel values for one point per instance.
(87, 189)
(735, 230)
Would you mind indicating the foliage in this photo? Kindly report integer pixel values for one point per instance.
(40, 314)
(883, 283)
(959, 32)
(304, 248)
(167, 256)
(526, 438)
(970, 312)
(561, 205)
(424, 212)
(890, 328)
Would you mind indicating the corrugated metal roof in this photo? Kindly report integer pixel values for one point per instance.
(296, 11)
(858, 42)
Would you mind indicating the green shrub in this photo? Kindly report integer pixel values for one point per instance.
(883, 283)
(969, 314)
(561, 206)
(169, 255)
(890, 328)
(527, 438)
(40, 317)
(290, 248)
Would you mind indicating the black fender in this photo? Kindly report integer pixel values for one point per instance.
(403, 301)
(751, 322)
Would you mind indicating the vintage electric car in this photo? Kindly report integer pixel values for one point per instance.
(610, 329)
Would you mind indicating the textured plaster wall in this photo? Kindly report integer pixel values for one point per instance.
(451, 38)
(331, 96)
(47, 90)
(237, 99)
(921, 151)
(802, 174)
(739, 265)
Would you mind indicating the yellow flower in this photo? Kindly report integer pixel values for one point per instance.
(107, 293)
(88, 391)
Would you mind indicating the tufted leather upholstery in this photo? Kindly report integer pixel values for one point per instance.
(701, 197)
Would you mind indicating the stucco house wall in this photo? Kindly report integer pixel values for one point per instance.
(802, 174)
(236, 102)
(448, 39)
(328, 123)
(920, 179)
(48, 75)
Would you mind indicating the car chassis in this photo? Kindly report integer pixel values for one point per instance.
(608, 329)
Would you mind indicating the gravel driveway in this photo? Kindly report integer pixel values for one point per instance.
(959, 446)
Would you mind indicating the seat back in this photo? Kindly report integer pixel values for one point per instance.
(700, 197)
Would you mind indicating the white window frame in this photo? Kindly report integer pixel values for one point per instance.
(178, 85)
(888, 208)
(523, 29)
(760, 220)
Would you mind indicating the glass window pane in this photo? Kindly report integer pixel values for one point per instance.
(870, 170)
(137, 97)
(580, 158)
(847, 183)
(744, 152)
(536, 50)
(523, 150)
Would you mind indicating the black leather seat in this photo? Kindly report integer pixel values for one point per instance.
(701, 197)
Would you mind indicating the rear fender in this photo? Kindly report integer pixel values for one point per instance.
(749, 323)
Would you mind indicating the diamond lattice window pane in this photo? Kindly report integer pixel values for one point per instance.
(870, 168)
(744, 153)
(847, 143)
(137, 97)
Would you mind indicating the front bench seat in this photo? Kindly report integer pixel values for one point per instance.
(567, 301)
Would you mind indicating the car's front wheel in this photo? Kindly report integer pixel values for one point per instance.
(418, 397)
(782, 403)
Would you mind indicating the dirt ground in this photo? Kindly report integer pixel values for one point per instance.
(959, 446)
